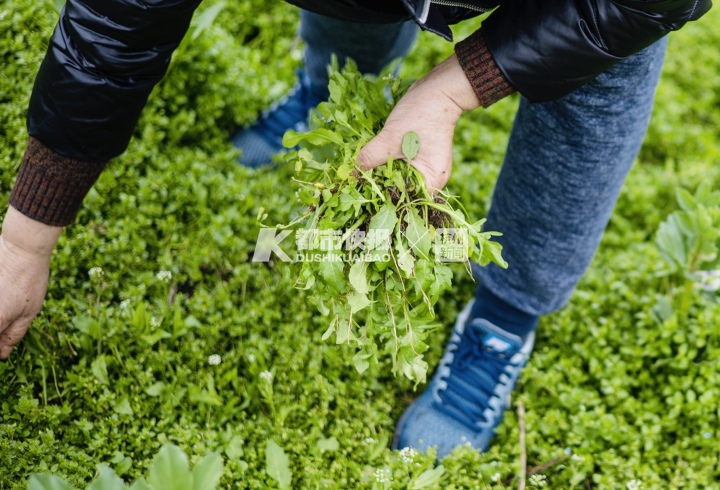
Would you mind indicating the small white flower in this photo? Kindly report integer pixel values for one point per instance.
(164, 276)
(577, 458)
(214, 360)
(383, 475)
(709, 280)
(125, 304)
(267, 376)
(96, 273)
(538, 480)
(155, 322)
(707, 435)
(251, 357)
(369, 440)
(634, 485)
(496, 477)
(407, 455)
(567, 451)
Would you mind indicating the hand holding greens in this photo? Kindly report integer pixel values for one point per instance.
(385, 263)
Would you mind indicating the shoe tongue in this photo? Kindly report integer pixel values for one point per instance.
(494, 338)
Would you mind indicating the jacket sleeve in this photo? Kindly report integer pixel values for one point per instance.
(548, 48)
(103, 59)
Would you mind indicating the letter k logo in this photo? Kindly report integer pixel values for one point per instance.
(268, 242)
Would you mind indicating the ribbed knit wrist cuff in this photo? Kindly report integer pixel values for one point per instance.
(50, 188)
(479, 66)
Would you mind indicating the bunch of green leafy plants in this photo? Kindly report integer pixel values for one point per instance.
(688, 241)
(169, 470)
(378, 296)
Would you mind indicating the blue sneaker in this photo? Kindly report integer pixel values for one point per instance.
(263, 139)
(470, 391)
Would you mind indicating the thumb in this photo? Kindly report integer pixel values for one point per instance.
(377, 151)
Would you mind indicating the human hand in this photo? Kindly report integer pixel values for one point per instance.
(25, 249)
(431, 108)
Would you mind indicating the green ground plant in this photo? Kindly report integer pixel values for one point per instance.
(178, 337)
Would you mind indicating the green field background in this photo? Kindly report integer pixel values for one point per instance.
(115, 367)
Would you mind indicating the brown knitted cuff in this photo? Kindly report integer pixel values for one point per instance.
(50, 188)
(479, 66)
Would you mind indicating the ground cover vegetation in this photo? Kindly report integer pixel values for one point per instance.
(163, 350)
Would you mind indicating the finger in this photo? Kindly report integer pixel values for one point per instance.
(5, 351)
(11, 336)
(379, 149)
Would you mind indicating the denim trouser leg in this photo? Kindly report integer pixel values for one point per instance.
(371, 46)
(565, 164)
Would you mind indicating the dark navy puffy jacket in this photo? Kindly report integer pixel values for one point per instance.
(105, 56)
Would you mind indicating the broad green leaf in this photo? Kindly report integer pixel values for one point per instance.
(141, 484)
(206, 474)
(170, 469)
(685, 199)
(277, 464)
(107, 480)
(417, 234)
(316, 137)
(99, 369)
(44, 481)
(405, 259)
(155, 389)
(428, 478)
(344, 332)
(332, 274)
(410, 145)
(205, 19)
(123, 407)
(382, 223)
(235, 448)
(358, 277)
(329, 444)
(358, 301)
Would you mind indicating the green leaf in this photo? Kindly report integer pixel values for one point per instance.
(141, 484)
(107, 480)
(155, 389)
(331, 329)
(358, 277)
(405, 260)
(205, 19)
(358, 301)
(410, 145)
(384, 221)
(170, 469)
(123, 407)
(428, 478)
(332, 274)
(277, 465)
(44, 481)
(417, 234)
(206, 474)
(99, 369)
(235, 448)
(330, 444)
(317, 137)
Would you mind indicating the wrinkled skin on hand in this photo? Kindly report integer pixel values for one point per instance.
(25, 249)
